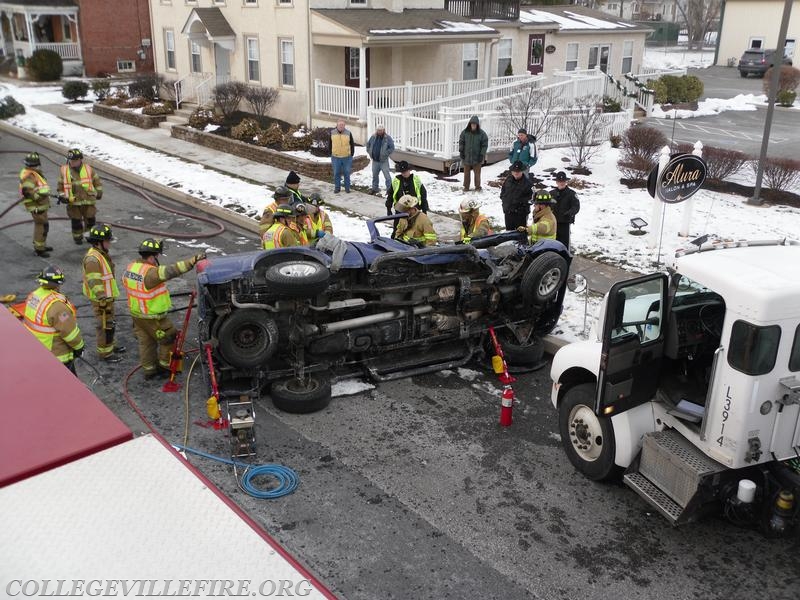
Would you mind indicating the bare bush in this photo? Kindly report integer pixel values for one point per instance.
(228, 96)
(246, 131)
(272, 137)
(780, 174)
(584, 125)
(261, 99)
(788, 80)
(640, 148)
(530, 109)
(723, 163)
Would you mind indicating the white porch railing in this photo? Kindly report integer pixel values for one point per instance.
(656, 73)
(204, 89)
(439, 136)
(340, 100)
(67, 51)
(186, 88)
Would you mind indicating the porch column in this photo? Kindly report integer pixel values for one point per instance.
(29, 26)
(362, 84)
(74, 19)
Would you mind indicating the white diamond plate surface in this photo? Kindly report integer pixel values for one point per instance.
(130, 512)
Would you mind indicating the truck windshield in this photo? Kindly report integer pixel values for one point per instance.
(794, 358)
(753, 349)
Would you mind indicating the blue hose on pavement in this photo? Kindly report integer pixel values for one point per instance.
(287, 479)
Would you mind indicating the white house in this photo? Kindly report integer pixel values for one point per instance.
(755, 24)
(332, 58)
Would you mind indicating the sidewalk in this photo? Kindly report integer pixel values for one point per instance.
(600, 277)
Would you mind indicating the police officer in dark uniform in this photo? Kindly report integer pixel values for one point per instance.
(567, 206)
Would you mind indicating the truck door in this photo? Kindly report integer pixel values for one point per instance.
(633, 343)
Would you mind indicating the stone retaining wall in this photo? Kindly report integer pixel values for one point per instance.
(267, 156)
(126, 116)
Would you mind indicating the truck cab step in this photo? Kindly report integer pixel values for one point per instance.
(654, 496)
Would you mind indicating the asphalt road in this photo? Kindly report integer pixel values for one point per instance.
(736, 130)
(411, 490)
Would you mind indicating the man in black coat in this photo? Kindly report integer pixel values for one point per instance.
(567, 206)
(516, 197)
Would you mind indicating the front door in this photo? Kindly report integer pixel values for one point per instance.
(633, 343)
(536, 53)
(222, 64)
(352, 67)
(599, 56)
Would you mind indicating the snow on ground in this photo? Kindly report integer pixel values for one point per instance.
(601, 230)
(713, 106)
(348, 387)
(672, 57)
(203, 183)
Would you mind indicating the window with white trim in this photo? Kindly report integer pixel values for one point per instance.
(627, 56)
(573, 48)
(219, 2)
(358, 2)
(756, 42)
(250, 2)
(126, 66)
(253, 63)
(353, 63)
(285, 2)
(503, 56)
(287, 62)
(66, 30)
(169, 48)
(469, 61)
(194, 52)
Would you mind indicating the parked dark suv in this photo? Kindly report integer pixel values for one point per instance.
(757, 61)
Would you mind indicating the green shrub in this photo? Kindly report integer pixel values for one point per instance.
(611, 105)
(786, 98)
(246, 131)
(101, 88)
(671, 89)
(74, 90)
(45, 65)
(147, 86)
(9, 107)
(158, 108)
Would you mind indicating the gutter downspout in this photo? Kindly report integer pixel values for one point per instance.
(310, 94)
(487, 57)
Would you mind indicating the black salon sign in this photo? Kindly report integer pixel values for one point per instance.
(680, 180)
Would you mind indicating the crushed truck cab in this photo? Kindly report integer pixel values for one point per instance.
(690, 384)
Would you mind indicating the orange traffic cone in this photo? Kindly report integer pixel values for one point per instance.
(506, 406)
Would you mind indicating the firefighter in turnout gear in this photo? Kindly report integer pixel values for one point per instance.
(80, 186)
(280, 233)
(149, 302)
(544, 221)
(473, 223)
(51, 318)
(416, 229)
(35, 194)
(100, 287)
(319, 223)
(282, 195)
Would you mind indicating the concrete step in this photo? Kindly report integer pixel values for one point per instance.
(177, 119)
(166, 125)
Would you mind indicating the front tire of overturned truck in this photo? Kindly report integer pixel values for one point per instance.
(588, 439)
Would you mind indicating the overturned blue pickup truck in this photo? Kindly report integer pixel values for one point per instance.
(287, 321)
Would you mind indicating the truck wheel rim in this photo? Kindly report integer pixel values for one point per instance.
(585, 433)
(297, 270)
(549, 282)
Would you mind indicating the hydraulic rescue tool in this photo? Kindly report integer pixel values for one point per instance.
(176, 354)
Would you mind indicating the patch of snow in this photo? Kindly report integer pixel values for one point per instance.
(670, 57)
(210, 128)
(712, 106)
(348, 387)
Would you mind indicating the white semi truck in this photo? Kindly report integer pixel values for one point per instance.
(689, 386)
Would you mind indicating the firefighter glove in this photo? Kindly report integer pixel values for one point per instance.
(198, 257)
(160, 334)
(104, 303)
(62, 199)
(99, 195)
(522, 229)
(320, 234)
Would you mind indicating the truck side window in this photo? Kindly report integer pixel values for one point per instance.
(753, 349)
(794, 357)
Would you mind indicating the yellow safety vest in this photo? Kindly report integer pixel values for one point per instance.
(40, 187)
(272, 236)
(85, 180)
(35, 318)
(145, 304)
(417, 187)
(110, 288)
(467, 237)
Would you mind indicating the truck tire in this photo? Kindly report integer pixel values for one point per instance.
(247, 338)
(302, 396)
(521, 355)
(298, 278)
(543, 278)
(588, 439)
